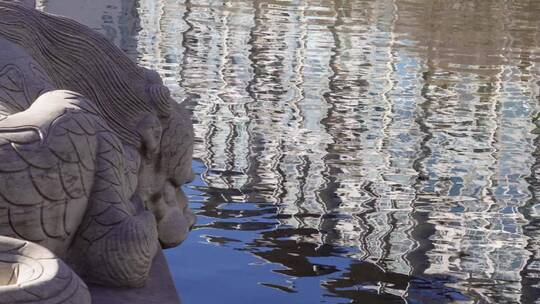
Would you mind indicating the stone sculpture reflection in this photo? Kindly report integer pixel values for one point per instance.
(93, 151)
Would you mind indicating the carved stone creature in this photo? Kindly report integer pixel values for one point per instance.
(93, 152)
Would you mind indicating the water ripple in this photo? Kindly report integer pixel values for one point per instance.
(351, 151)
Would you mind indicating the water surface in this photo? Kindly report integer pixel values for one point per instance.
(350, 151)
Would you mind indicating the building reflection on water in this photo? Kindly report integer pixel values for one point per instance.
(118, 20)
(399, 134)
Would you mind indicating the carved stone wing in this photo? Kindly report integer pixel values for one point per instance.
(46, 172)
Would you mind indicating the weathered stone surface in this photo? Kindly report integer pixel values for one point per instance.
(30, 273)
(159, 289)
(93, 151)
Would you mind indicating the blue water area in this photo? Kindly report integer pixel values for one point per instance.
(366, 151)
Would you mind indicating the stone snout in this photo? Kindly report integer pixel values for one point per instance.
(173, 216)
(164, 168)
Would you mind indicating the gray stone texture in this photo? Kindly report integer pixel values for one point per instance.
(159, 288)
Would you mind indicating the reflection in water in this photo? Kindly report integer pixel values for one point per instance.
(381, 151)
(118, 20)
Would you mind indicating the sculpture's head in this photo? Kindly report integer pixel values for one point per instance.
(133, 101)
(166, 153)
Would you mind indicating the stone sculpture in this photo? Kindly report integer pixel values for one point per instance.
(93, 151)
(32, 274)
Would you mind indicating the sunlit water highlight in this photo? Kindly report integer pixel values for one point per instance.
(350, 151)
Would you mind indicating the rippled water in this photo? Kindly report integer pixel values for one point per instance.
(350, 151)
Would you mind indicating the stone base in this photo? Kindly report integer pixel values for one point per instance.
(159, 289)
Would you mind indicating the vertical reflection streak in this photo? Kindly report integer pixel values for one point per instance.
(254, 153)
(328, 192)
